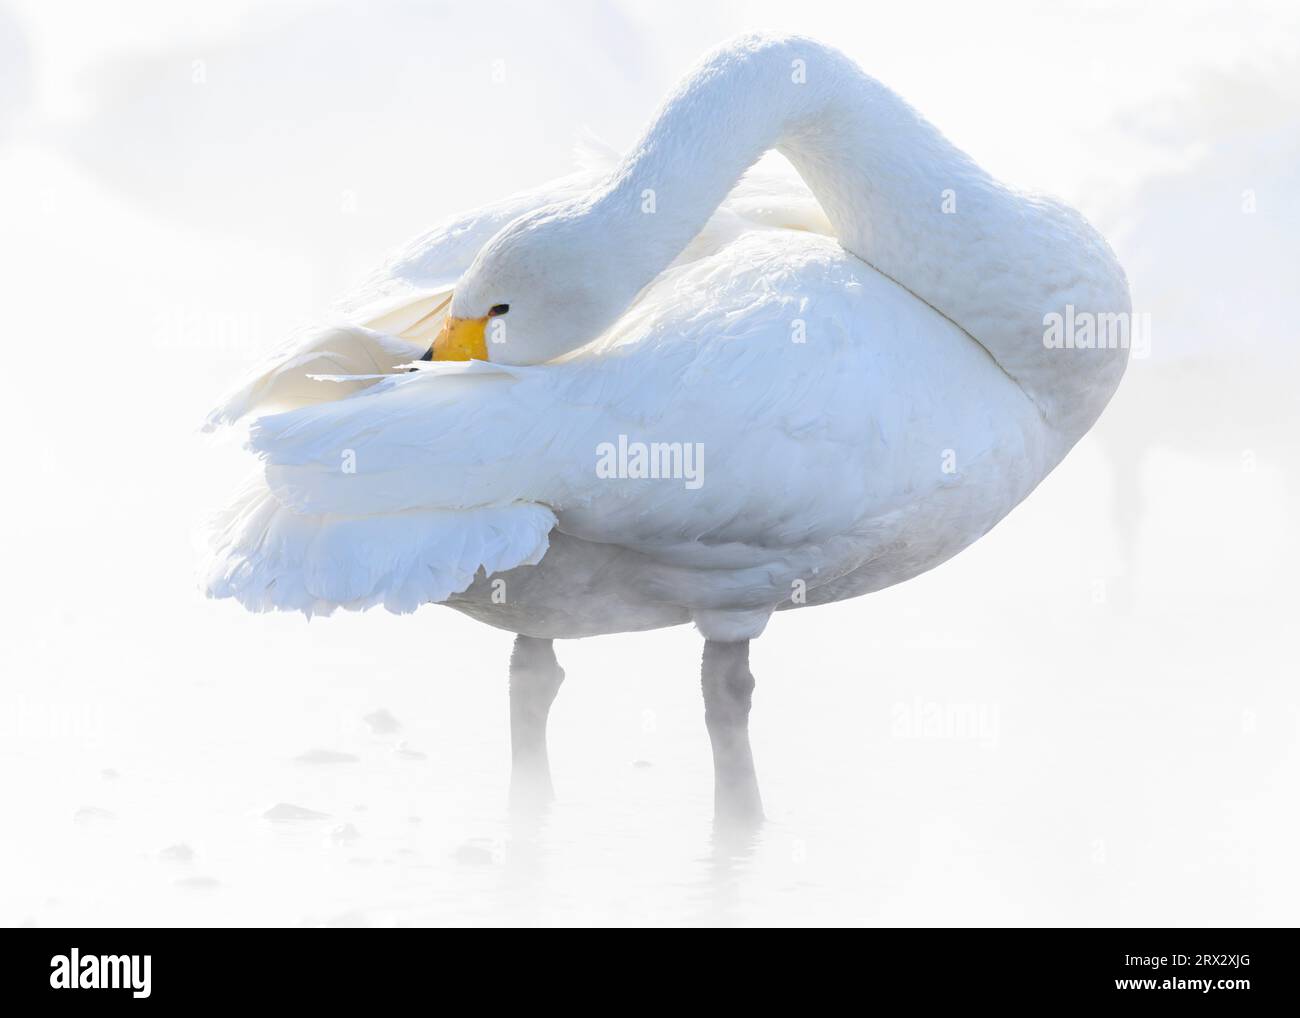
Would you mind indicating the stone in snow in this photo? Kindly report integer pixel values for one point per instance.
(344, 834)
(382, 722)
(470, 854)
(180, 852)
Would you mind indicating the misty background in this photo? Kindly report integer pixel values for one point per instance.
(1089, 717)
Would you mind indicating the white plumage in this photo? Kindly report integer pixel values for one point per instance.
(864, 373)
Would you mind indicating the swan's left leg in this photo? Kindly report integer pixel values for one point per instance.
(535, 677)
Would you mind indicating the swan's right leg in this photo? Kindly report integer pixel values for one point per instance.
(728, 688)
(535, 677)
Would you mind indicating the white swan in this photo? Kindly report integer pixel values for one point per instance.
(846, 377)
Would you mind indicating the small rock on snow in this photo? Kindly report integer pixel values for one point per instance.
(382, 722)
(470, 854)
(179, 852)
(344, 834)
(288, 811)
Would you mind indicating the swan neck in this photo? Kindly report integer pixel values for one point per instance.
(741, 101)
(898, 195)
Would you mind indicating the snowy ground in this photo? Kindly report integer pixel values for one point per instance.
(976, 747)
(1090, 717)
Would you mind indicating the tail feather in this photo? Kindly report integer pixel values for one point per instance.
(269, 557)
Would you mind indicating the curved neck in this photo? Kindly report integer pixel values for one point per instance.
(859, 147)
(898, 194)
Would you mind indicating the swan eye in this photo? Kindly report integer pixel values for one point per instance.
(498, 309)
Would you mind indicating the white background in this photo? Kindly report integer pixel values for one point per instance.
(182, 183)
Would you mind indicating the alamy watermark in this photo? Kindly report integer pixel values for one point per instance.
(681, 461)
(927, 719)
(1105, 330)
(72, 971)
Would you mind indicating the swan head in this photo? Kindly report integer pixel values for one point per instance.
(545, 284)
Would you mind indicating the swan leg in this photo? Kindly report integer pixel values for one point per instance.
(728, 689)
(535, 677)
